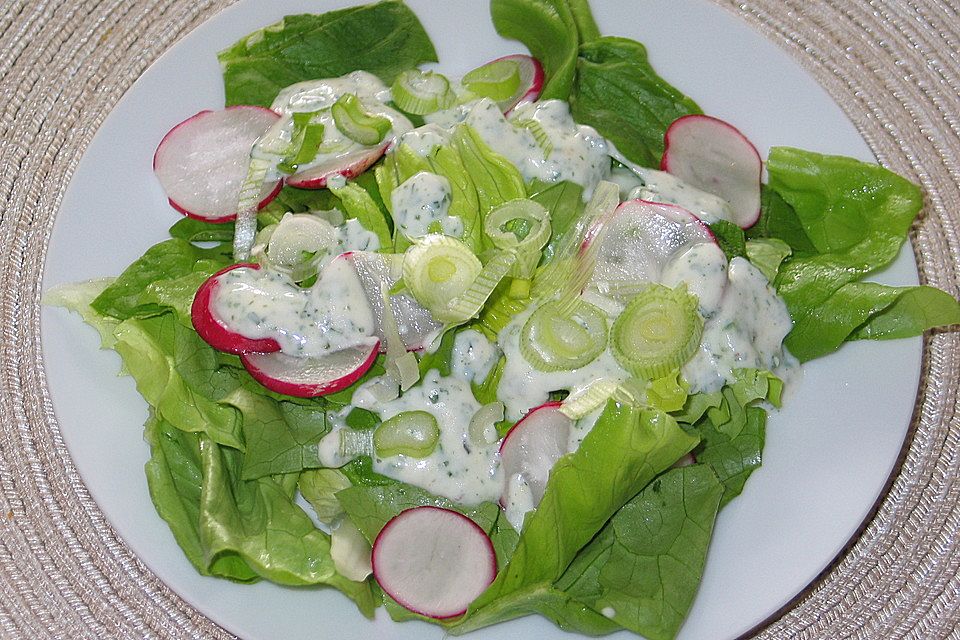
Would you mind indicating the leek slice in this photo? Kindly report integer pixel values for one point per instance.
(356, 123)
(304, 142)
(422, 92)
(572, 266)
(657, 332)
(521, 226)
(497, 80)
(245, 229)
(449, 280)
(410, 433)
(556, 339)
(438, 269)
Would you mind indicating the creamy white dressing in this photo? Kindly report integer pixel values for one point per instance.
(473, 356)
(459, 469)
(576, 153)
(330, 316)
(746, 332)
(319, 96)
(523, 387)
(353, 236)
(420, 203)
(643, 183)
(423, 140)
(703, 267)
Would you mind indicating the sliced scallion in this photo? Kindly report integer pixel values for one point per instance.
(438, 269)
(497, 80)
(554, 339)
(539, 134)
(356, 123)
(305, 142)
(657, 332)
(422, 92)
(410, 433)
(521, 226)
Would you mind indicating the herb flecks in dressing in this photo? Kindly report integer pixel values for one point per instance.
(420, 204)
(459, 469)
(332, 315)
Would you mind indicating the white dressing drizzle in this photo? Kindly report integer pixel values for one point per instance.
(331, 315)
(459, 469)
(420, 201)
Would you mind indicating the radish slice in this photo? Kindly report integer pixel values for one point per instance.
(377, 273)
(346, 166)
(715, 156)
(202, 162)
(528, 453)
(433, 561)
(638, 241)
(310, 377)
(531, 82)
(213, 331)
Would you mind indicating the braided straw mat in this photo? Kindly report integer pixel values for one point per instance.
(894, 67)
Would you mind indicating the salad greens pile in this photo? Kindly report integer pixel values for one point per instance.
(620, 537)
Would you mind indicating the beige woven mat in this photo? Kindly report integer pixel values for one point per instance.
(893, 66)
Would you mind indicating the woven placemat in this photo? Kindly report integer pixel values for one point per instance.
(64, 573)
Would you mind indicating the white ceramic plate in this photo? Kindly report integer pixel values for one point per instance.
(828, 453)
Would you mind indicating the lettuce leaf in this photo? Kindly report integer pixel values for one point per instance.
(549, 29)
(180, 376)
(856, 215)
(645, 565)
(384, 38)
(174, 478)
(619, 94)
(623, 452)
(167, 260)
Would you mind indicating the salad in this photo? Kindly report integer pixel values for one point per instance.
(490, 328)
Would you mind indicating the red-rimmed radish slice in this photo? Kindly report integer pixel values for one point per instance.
(640, 238)
(714, 156)
(531, 82)
(530, 449)
(213, 330)
(433, 561)
(310, 377)
(348, 165)
(202, 162)
(416, 326)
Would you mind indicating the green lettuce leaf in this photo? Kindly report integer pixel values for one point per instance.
(174, 478)
(620, 95)
(767, 254)
(549, 29)
(280, 437)
(77, 297)
(623, 452)
(384, 38)
(356, 202)
(259, 521)
(168, 260)
(856, 216)
(180, 376)
(193, 230)
(645, 565)
(564, 202)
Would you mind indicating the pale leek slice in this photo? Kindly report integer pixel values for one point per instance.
(422, 92)
(497, 80)
(411, 433)
(557, 339)
(657, 332)
(356, 123)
